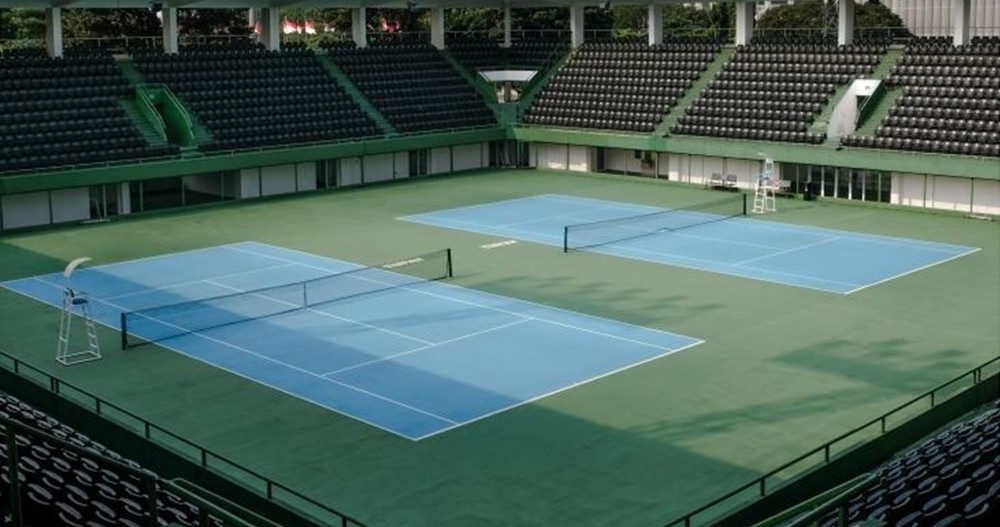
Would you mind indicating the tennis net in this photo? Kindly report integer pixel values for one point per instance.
(167, 321)
(593, 234)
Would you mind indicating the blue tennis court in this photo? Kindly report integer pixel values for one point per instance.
(803, 256)
(413, 357)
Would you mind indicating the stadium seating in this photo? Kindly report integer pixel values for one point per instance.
(950, 103)
(59, 487)
(249, 97)
(413, 86)
(951, 480)
(774, 90)
(56, 112)
(621, 84)
(477, 54)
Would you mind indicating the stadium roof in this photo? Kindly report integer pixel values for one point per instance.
(417, 4)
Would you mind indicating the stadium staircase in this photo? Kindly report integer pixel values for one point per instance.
(685, 102)
(538, 83)
(868, 126)
(153, 127)
(477, 82)
(359, 98)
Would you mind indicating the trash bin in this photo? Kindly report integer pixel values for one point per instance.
(811, 191)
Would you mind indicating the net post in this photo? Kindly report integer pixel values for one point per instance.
(124, 326)
(450, 270)
(565, 238)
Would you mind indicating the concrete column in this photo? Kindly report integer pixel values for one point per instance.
(576, 25)
(655, 24)
(359, 27)
(270, 27)
(960, 21)
(437, 27)
(506, 25)
(169, 23)
(845, 22)
(53, 32)
(744, 22)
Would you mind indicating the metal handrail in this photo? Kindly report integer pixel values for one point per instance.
(761, 482)
(101, 406)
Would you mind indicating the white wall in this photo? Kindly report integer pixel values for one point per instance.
(25, 210)
(249, 183)
(305, 176)
(70, 204)
(581, 158)
(439, 161)
(378, 168)
(949, 193)
(349, 172)
(551, 156)
(933, 17)
(277, 180)
(402, 166)
(468, 157)
(986, 197)
(618, 160)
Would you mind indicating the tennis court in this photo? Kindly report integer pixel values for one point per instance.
(711, 237)
(404, 352)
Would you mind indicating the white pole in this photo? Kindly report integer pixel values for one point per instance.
(655, 24)
(506, 25)
(53, 32)
(845, 23)
(271, 27)
(744, 22)
(960, 21)
(359, 27)
(169, 15)
(576, 25)
(437, 27)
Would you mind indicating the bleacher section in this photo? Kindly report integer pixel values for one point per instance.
(775, 90)
(60, 112)
(249, 97)
(621, 85)
(413, 86)
(490, 55)
(950, 103)
(951, 480)
(60, 487)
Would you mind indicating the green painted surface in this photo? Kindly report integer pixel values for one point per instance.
(175, 117)
(783, 369)
(360, 99)
(694, 92)
(881, 109)
(145, 120)
(131, 71)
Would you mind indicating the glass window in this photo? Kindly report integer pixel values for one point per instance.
(829, 182)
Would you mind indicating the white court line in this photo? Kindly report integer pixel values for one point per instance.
(429, 346)
(485, 229)
(467, 207)
(192, 282)
(911, 271)
(147, 258)
(555, 216)
(558, 390)
(325, 314)
(276, 361)
(792, 227)
(499, 310)
(786, 251)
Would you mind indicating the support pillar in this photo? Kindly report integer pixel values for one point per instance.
(655, 24)
(169, 23)
(359, 27)
(53, 32)
(576, 25)
(506, 25)
(845, 22)
(960, 10)
(270, 30)
(437, 27)
(745, 12)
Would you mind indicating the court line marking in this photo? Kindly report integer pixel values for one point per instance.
(192, 282)
(466, 207)
(428, 347)
(536, 304)
(147, 258)
(786, 251)
(321, 313)
(274, 360)
(911, 271)
(793, 227)
(559, 390)
(490, 230)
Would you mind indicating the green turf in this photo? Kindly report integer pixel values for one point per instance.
(783, 369)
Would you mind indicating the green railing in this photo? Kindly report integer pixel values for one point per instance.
(206, 459)
(177, 123)
(147, 108)
(151, 484)
(761, 486)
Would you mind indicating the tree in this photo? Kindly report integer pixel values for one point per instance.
(213, 21)
(812, 16)
(105, 23)
(22, 24)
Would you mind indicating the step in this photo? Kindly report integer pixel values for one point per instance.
(692, 94)
(146, 129)
(356, 94)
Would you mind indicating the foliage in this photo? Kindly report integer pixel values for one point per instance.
(811, 15)
(21, 23)
(213, 22)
